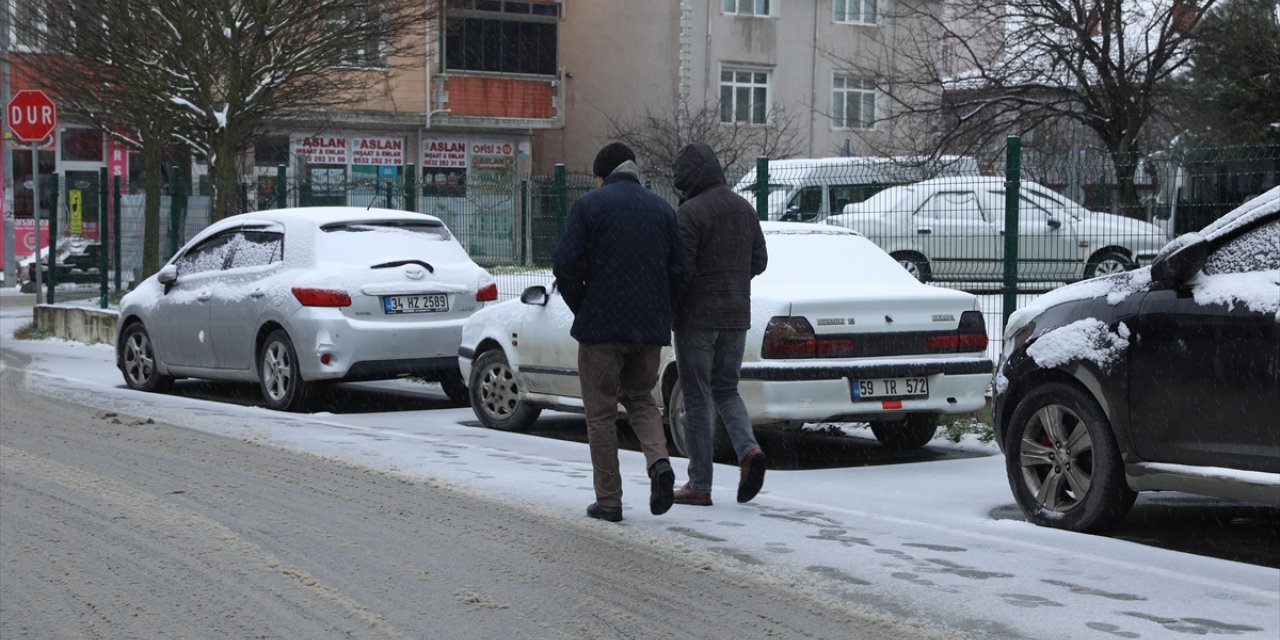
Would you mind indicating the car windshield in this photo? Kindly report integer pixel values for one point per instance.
(362, 242)
(748, 191)
(794, 257)
(885, 200)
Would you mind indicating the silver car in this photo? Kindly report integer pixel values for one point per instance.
(293, 298)
(953, 229)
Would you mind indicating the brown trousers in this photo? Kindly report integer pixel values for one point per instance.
(613, 373)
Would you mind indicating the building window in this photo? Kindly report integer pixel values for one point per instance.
(855, 11)
(503, 37)
(748, 7)
(853, 102)
(744, 96)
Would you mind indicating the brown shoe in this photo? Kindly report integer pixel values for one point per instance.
(753, 468)
(688, 495)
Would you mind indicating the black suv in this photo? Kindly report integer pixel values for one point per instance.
(1165, 378)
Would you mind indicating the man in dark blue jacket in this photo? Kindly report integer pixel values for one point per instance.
(620, 267)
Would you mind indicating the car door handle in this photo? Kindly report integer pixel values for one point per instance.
(257, 293)
(924, 232)
(204, 297)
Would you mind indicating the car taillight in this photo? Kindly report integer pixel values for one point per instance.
(971, 335)
(487, 293)
(793, 337)
(310, 297)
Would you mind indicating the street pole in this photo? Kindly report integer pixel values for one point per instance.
(35, 208)
(10, 250)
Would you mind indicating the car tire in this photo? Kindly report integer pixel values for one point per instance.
(914, 432)
(915, 264)
(138, 360)
(1107, 263)
(279, 374)
(721, 445)
(1062, 461)
(495, 394)
(455, 388)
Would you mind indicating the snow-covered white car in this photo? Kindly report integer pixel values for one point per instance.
(954, 228)
(839, 332)
(292, 298)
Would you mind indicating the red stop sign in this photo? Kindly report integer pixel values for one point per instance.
(31, 115)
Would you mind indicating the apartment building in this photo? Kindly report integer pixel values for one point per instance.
(497, 90)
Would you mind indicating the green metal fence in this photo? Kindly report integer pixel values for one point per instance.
(1071, 216)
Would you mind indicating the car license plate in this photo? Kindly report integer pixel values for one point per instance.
(872, 388)
(416, 304)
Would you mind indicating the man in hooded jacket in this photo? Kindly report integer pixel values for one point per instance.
(725, 247)
(620, 266)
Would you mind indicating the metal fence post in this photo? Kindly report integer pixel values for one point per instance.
(175, 214)
(391, 187)
(53, 239)
(117, 257)
(762, 187)
(526, 226)
(103, 236)
(281, 194)
(562, 200)
(410, 188)
(1013, 180)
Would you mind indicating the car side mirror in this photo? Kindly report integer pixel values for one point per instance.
(537, 294)
(168, 274)
(1181, 259)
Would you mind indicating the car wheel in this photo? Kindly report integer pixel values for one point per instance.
(1107, 263)
(915, 264)
(495, 394)
(1062, 461)
(721, 445)
(455, 388)
(914, 432)
(279, 375)
(138, 360)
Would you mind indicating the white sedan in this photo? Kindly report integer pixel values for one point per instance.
(292, 298)
(954, 228)
(839, 332)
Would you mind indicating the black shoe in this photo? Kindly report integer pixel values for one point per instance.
(752, 478)
(662, 482)
(601, 512)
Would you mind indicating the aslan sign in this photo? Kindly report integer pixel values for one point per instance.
(32, 116)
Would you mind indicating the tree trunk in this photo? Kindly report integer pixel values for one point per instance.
(224, 177)
(152, 174)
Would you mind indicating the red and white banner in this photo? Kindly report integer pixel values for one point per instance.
(377, 151)
(321, 149)
(447, 153)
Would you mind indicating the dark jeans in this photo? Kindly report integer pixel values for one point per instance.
(613, 373)
(709, 362)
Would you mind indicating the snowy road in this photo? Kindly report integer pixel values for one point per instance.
(911, 540)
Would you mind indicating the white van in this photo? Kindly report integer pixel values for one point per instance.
(810, 189)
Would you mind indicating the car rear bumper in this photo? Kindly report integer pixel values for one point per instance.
(371, 350)
(824, 394)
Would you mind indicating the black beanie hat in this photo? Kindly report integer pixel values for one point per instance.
(612, 155)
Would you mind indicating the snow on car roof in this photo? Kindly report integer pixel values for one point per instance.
(326, 215)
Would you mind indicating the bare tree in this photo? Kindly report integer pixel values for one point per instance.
(657, 137)
(960, 76)
(215, 74)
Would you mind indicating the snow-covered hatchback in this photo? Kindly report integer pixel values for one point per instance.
(839, 332)
(1166, 378)
(291, 298)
